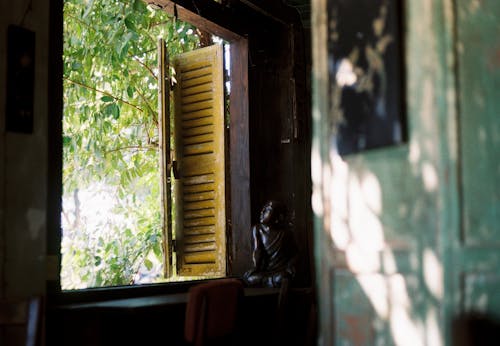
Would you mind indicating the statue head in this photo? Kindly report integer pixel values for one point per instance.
(273, 213)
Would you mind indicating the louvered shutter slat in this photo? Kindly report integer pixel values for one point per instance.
(197, 205)
(197, 106)
(197, 81)
(199, 230)
(190, 123)
(194, 98)
(200, 238)
(200, 225)
(196, 89)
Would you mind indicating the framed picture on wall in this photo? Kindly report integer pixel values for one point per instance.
(367, 74)
(20, 79)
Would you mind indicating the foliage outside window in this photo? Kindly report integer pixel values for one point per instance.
(111, 201)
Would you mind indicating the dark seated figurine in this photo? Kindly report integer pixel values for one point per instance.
(274, 248)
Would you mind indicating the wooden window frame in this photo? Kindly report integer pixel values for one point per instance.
(238, 168)
(238, 174)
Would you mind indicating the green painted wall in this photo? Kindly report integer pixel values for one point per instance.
(478, 25)
(478, 57)
(406, 236)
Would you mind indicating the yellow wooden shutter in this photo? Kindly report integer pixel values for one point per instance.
(165, 159)
(200, 213)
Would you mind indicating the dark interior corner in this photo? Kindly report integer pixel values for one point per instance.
(475, 328)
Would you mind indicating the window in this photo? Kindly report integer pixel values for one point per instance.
(196, 221)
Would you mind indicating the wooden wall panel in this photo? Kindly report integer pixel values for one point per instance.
(240, 158)
(478, 49)
(481, 292)
(353, 313)
(279, 155)
(391, 212)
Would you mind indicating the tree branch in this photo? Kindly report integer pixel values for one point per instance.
(138, 147)
(103, 92)
(143, 65)
(139, 254)
(80, 21)
(148, 105)
(152, 25)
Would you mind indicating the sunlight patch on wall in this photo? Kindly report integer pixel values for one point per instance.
(375, 287)
(430, 177)
(434, 334)
(433, 274)
(372, 192)
(355, 225)
(389, 262)
(364, 202)
(326, 202)
(415, 153)
(317, 202)
(452, 131)
(361, 260)
(428, 111)
(404, 329)
(357, 233)
(345, 74)
(339, 229)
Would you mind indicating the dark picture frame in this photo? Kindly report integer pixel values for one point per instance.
(367, 74)
(20, 79)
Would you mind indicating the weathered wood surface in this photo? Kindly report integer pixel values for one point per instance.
(408, 236)
(280, 133)
(478, 58)
(239, 159)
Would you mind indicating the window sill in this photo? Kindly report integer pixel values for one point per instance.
(130, 304)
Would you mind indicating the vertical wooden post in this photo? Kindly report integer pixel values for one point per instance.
(165, 161)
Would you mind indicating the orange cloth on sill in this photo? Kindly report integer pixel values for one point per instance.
(212, 309)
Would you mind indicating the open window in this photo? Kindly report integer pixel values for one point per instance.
(202, 152)
(209, 245)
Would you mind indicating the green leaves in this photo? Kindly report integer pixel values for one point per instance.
(88, 9)
(111, 200)
(130, 91)
(129, 23)
(140, 6)
(113, 110)
(76, 66)
(148, 264)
